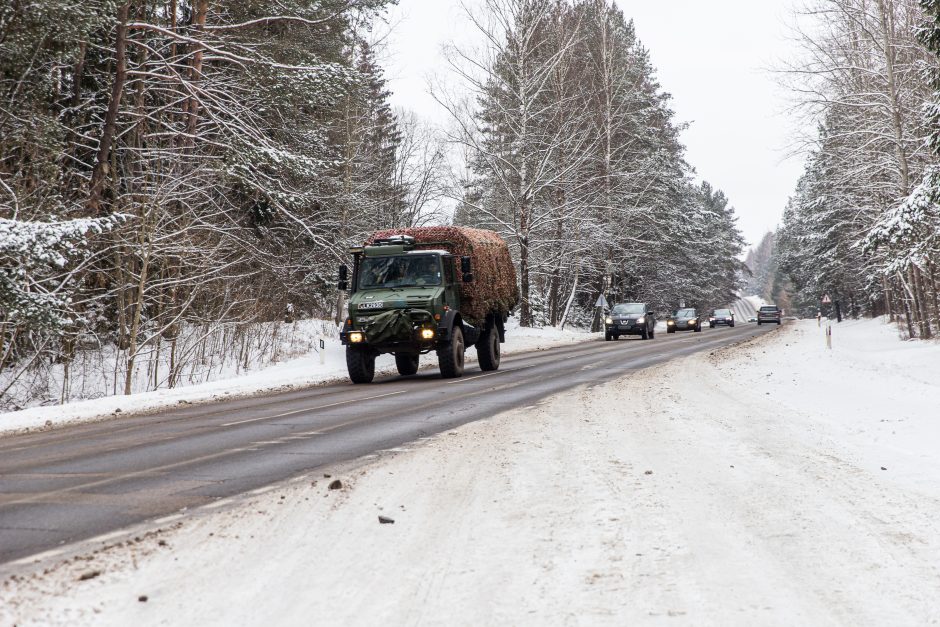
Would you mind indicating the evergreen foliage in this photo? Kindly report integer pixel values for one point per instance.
(859, 227)
(576, 160)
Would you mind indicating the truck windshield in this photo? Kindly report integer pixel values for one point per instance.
(399, 271)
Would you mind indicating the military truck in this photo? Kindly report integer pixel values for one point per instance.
(419, 290)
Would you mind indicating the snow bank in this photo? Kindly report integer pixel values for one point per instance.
(295, 373)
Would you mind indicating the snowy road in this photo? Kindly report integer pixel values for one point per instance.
(771, 483)
(87, 480)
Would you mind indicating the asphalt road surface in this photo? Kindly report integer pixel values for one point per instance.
(80, 482)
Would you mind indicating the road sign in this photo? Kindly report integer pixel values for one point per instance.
(601, 301)
(826, 300)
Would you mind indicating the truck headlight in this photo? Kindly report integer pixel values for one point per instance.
(356, 337)
(427, 334)
(608, 320)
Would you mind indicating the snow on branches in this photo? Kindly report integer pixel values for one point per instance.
(32, 256)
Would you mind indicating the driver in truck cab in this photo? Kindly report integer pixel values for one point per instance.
(427, 271)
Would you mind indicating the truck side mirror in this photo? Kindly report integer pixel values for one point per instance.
(343, 278)
(466, 269)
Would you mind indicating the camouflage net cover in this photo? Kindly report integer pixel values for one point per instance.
(390, 326)
(494, 275)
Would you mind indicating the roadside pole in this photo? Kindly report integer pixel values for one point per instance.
(322, 352)
(829, 335)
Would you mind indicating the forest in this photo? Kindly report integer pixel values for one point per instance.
(863, 225)
(179, 179)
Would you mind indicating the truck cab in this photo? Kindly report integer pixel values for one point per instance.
(405, 299)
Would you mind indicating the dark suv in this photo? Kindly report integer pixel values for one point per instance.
(768, 313)
(721, 316)
(685, 319)
(629, 319)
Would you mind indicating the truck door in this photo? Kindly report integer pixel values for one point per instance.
(451, 295)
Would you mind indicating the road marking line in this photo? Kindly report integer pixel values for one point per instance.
(310, 409)
(167, 519)
(490, 374)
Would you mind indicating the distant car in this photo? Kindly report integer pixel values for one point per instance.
(752, 319)
(686, 319)
(769, 313)
(721, 316)
(630, 319)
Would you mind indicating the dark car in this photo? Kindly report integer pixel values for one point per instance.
(769, 313)
(686, 319)
(721, 316)
(629, 319)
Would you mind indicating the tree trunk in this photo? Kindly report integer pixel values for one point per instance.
(574, 290)
(921, 300)
(525, 311)
(195, 73)
(907, 308)
(132, 346)
(888, 310)
(103, 159)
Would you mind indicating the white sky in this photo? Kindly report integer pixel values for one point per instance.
(712, 56)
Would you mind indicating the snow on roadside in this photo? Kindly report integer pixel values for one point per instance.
(776, 482)
(292, 374)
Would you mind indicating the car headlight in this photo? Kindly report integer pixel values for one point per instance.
(640, 320)
(692, 321)
(608, 320)
(356, 337)
(711, 319)
(671, 322)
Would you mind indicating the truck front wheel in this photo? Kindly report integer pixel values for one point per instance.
(488, 349)
(450, 355)
(361, 364)
(407, 364)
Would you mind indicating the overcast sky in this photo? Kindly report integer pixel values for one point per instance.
(713, 57)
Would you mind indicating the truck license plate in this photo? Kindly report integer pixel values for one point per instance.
(376, 305)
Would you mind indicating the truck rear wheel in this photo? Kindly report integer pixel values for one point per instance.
(488, 349)
(361, 364)
(450, 355)
(407, 364)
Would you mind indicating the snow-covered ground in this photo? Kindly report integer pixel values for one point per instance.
(291, 374)
(774, 483)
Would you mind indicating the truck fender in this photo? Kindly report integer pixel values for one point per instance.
(344, 331)
(500, 320)
(446, 324)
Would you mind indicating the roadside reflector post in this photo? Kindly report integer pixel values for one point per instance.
(322, 352)
(829, 336)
